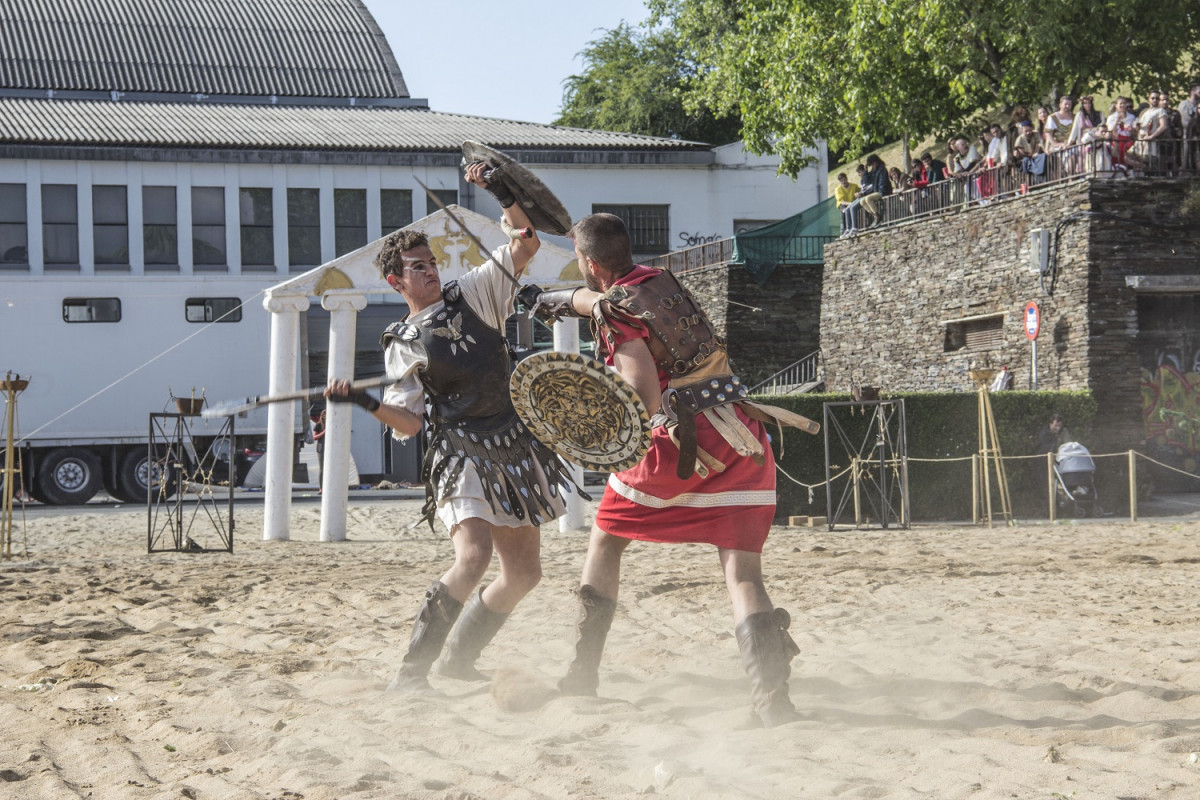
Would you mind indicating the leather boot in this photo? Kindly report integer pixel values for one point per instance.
(476, 627)
(767, 650)
(591, 629)
(430, 629)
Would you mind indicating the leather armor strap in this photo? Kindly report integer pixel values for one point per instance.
(686, 429)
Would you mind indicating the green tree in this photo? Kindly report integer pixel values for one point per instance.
(849, 72)
(633, 82)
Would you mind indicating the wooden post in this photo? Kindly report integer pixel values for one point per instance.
(1132, 486)
(975, 488)
(1050, 483)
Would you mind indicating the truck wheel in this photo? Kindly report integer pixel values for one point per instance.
(68, 476)
(136, 474)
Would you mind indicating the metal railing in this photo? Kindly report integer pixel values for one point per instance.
(803, 373)
(1099, 159)
(792, 250)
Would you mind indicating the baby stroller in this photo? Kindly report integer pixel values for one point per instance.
(1074, 470)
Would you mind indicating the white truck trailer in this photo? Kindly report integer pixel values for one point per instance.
(103, 353)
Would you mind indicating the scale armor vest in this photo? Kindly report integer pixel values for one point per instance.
(471, 416)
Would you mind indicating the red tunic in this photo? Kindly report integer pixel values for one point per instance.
(731, 509)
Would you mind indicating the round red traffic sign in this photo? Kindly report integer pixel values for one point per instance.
(1033, 320)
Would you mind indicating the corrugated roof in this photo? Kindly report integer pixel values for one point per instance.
(257, 48)
(27, 121)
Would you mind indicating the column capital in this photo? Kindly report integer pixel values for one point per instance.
(283, 303)
(349, 301)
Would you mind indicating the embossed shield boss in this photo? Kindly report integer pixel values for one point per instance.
(582, 410)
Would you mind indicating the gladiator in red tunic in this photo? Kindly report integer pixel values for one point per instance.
(728, 502)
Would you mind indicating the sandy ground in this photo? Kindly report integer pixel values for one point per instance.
(940, 662)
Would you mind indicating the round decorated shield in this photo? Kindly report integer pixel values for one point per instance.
(582, 410)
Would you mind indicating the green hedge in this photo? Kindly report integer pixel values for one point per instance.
(939, 425)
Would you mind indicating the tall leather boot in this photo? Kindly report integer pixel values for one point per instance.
(767, 650)
(591, 629)
(430, 629)
(476, 627)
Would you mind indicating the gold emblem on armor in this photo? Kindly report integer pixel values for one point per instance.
(582, 410)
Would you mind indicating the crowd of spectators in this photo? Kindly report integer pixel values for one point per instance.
(1075, 137)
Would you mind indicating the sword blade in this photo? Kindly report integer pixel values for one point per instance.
(463, 227)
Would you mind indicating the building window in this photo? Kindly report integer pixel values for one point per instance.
(648, 226)
(258, 232)
(395, 209)
(14, 229)
(91, 309)
(448, 197)
(349, 220)
(110, 226)
(304, 227)
(213, 309)
(208, 226)
(60, 225)
(160, 227)
(984, 332)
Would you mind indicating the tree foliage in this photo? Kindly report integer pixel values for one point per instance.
(633, 82)
(849, 72)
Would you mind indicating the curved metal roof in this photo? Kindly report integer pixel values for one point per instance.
(249, 48)
(28, 121)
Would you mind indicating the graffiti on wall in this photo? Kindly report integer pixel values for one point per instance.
(1171, 411)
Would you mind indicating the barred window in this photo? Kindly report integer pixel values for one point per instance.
(985, 332)
(648, 226)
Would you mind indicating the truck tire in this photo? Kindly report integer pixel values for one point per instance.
(68, 476)
(135, 476)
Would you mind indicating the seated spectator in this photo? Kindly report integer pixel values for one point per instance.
(1122, 129)
(880, 186)
(844, 194)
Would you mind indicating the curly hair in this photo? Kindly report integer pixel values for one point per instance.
(388, 261)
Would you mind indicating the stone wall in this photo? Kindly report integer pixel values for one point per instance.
(889, 294)
(768, 327)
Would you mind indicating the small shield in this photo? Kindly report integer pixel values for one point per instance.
(582, 410)
(544, 210)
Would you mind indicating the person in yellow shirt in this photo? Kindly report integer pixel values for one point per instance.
(844, 193)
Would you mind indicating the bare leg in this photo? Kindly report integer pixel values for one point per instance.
(520, 554)
(602, 567)
(743, 579)
(472, 540)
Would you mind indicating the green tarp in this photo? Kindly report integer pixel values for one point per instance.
(796, 240)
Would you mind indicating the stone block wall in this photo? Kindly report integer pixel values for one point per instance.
(768, 327)
(889, 294)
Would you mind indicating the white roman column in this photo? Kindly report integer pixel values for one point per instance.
(281, 417)
(335, 472)
(566, 340)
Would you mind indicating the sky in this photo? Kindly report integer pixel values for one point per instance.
(491, 59)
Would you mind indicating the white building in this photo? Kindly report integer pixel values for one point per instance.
(238, 143)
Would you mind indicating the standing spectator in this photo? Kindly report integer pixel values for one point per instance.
(318, 433)
(998, 150)
(935, 168)
(901, 181)
(1043, 114)
(850, 214)
(881, 186)
(1152, 125)
(1019, 114)
(844, 193)
(1086, 117)
(1172, 147)
(963, 163)
(1122, 129)
(1058, 125)
(1191, 128)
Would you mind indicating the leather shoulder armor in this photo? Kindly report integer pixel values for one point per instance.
(681, 335)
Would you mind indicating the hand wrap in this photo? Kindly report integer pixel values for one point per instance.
(359, 397)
